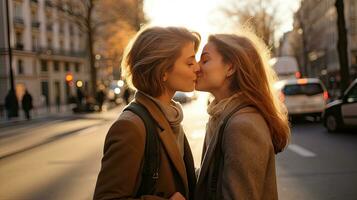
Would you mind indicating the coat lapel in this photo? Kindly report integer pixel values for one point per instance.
(208, 156)
(167, 136)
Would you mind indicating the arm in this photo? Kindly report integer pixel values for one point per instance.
(120, 174)
(246, 155)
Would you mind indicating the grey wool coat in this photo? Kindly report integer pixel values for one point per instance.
(247, 166)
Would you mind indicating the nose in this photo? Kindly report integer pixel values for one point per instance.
(197, 67)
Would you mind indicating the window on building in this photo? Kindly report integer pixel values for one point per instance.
(20, 67)
(19, 40)
(34, 43)
(44, 67)
(71, 46)
(77, 67)
(61, 27)
(34, 14)
(66, 66)
(45, 92)
(71, 31)
(61, 45)
(49, 43)
(56, 66)
(18, 9)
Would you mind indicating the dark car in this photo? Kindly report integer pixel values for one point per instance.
(181, 97)
(342, 112)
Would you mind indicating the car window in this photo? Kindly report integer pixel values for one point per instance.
(307, 89)
(352, 95)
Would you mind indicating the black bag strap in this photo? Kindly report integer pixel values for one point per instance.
(218, 154)
(151, 161)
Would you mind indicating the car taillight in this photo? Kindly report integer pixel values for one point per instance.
(281, 96)
(326, 95)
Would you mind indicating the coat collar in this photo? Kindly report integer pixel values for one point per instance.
(166, 135)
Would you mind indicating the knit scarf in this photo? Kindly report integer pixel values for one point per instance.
(217, 110)
(174, 116)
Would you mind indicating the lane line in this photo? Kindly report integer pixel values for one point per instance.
(301, 151)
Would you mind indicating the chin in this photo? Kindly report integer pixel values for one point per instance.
(199, 87)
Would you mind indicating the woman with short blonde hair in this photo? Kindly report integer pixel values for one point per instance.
(247, 125)
(159, 62)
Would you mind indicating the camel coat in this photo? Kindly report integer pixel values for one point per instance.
(247, 167)
(120, 174)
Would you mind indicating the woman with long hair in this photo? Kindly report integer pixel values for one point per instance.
(247, 125)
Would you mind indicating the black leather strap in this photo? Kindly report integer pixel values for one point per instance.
(151, 165)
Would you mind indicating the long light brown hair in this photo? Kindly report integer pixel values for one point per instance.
(254, 78)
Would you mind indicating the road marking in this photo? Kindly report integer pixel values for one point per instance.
(301, 151)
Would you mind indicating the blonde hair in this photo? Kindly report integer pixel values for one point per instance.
(152, 53)
(254, 78)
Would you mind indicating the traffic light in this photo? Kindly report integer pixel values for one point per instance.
(69, 79)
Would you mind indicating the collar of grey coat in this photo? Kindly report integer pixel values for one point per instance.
(166, 135)
(207, 160)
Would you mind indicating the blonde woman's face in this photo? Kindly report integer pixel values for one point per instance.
(183, 76)
(213, 71)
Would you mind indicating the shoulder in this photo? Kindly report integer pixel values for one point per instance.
(128, 126)
(248, 125)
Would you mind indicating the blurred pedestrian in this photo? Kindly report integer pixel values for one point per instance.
(100, 97)
(11, 104)
(58, 103)
(144, 160)
(80, 97)
(247, 124)
(27, 104)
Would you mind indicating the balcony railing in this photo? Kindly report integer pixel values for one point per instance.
(19, 46)
(61, 52)
(18, 20)
(35, 24)
(48, 3)
(49, 27)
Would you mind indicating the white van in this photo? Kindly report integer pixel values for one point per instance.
(303, 97)
(285, 67)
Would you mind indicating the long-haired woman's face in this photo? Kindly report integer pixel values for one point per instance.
(213, 71)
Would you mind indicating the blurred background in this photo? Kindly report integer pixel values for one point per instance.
(61, 87)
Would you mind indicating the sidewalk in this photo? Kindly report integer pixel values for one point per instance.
(46, 112)
(21, 137)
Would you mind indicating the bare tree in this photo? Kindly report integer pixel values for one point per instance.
(258, 15)
(92, 15)
(299, 42)
(342, 45)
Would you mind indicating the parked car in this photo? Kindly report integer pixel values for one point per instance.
(342, 112)
(303, 97)
(184, 97)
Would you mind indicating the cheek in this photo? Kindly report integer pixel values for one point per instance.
(182, 79)
(213, 76)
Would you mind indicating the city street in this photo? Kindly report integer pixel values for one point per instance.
(59, 158)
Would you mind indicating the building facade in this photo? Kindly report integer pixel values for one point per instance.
(46, 48)
(316, 22)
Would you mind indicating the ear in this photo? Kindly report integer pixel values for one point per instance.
(230, 70)
(165, 77)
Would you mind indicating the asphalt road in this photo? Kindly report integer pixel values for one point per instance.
(60, 158)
